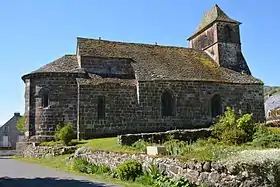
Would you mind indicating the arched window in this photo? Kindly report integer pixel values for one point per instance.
(167, 104)
(227, 33)
(216, 106)
(101, 107)
(45, 100)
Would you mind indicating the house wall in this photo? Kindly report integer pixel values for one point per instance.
(62, 92)
(111, 67)
(9, 129)
(192, 106)
(131, 108)
(120, 108)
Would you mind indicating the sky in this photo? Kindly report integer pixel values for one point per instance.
(34, 33)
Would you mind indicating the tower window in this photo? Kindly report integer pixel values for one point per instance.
(216, 106)
(167, 104)
(101, 107)
(45, 100)
(227, 33)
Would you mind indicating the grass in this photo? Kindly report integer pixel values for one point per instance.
(108, 144)
(59, 163)
(200, 150)
(102, 144)
(275, 129)
(213, 152)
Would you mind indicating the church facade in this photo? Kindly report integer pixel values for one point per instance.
(109, 88)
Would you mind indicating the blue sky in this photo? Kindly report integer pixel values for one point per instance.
(33, 33)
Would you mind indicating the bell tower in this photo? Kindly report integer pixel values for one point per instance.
(219, 36)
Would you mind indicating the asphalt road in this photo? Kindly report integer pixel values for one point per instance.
(14, 173)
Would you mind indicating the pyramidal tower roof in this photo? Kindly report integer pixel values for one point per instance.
(214, 14)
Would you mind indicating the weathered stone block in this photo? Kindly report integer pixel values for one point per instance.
(156, 150)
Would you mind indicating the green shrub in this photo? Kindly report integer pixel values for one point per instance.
(149, 177)
(234, 129)
(98, 169)
(246, 123)
(154, 177)
(57, 130)
(141, 145)
(129, 170)
(266, 138)
(50, 144)
(64, 133)
(234, 136)
(176, 147)
(206, 142)
(82, 165)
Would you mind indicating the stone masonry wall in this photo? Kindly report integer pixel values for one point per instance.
(110, 67)
(131, 108)
(62, 93)
(205, 39)
(214, 174)
(161, 137)
(120, 110)
(33, 150)
(192, 106)
(193, 103)
(222, 42)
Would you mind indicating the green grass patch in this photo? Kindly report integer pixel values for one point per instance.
(59, 143)
(275, 129)
(102, 144)
(59, 163)
(213, 152)
(108, 144)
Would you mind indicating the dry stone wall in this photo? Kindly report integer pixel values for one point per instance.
(214, 174)
(33, 150)
(161, 137)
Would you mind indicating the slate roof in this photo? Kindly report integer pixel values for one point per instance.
(98, 80)
(66, 63)
(155, 62)
(273, 102)
(151, 62)
(214, 14)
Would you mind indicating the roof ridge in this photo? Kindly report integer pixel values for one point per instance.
(212, 15)
(140, 44)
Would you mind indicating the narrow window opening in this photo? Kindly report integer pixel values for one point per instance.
(45, 100)
(101, 107)
(249, 109)
(216, 106)
(227, 33)
(167, 104)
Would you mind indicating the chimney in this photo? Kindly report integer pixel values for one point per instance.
(17, 114)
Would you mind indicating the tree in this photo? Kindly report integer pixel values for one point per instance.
(21, 124)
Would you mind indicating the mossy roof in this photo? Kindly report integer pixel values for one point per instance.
(96, 80)
(156, 62)
(151, 62)
(66, 63)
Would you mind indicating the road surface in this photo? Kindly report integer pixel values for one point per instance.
(14, 173)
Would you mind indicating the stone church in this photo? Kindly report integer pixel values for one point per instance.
(109, 88)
